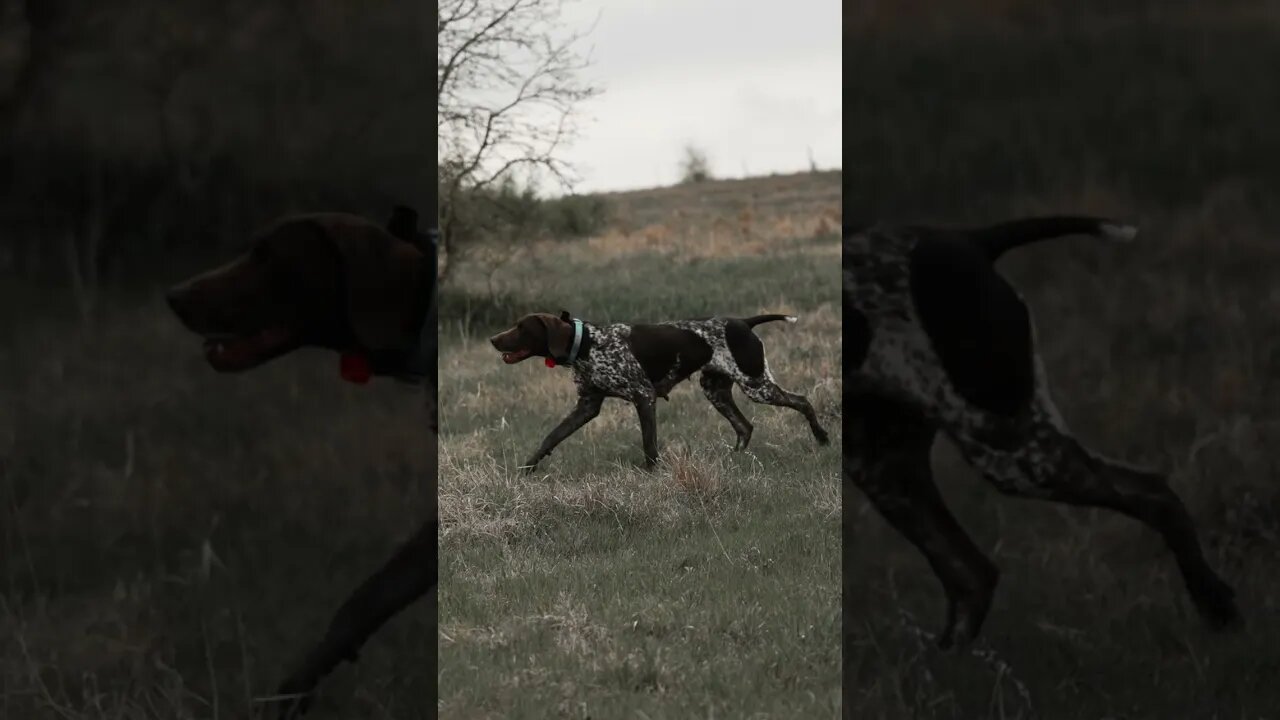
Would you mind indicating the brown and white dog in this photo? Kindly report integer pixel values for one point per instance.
(641, 363)
(343, 283)
(937, 341)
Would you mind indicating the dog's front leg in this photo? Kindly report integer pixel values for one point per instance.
(645, 408)
(407, 576)
(587, 408)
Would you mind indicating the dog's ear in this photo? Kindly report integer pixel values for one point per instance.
(565, 316)
(559, 335)
(385, 280)
(404, 223)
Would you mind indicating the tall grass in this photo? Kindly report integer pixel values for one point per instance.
(171, 538)
(705, 588)
(1166, 351)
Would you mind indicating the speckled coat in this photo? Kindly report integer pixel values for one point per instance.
(901, 386)
(618, 361)
(613, 369)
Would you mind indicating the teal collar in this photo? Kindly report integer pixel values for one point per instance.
(578, 332)
(419, 363)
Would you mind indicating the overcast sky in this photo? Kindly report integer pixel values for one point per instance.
(754, 83)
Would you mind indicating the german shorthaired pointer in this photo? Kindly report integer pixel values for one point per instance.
(935, 339)
(641, 363)
(339, 282)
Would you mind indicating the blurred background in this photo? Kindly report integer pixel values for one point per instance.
(170, 538)
(137, 131)
(968, 112)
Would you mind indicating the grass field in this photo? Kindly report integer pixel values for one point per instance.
(171, 538)
(707, 588)
(1166, 352)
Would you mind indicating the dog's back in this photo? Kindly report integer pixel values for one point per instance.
(939, 341)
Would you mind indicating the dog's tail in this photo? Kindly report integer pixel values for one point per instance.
(754, 321)
(999, 239)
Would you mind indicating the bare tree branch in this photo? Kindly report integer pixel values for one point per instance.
(508, 89)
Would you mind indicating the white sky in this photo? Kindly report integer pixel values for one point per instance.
(755, 84)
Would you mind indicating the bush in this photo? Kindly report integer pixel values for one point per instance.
(694, 167)
(514, 212)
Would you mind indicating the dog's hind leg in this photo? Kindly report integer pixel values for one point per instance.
(1146, 496)
(1053, 465)
(718, 388)
(764, 390)
(886, 455)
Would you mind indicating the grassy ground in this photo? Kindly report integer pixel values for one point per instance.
(707, 588)
(170, 538)
(1166, 352)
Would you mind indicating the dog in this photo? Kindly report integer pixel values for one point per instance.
(641, 363)
(343, 283)
(936, 339)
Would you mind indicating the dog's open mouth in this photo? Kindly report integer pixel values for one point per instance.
(233, 353)
(512, 358)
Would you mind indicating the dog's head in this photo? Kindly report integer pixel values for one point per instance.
(325, 280)
(539, 334)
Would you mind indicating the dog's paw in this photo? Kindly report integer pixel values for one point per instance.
(1217, 605)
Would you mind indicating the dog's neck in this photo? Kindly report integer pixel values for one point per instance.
(585, 343)
(419, 362)
(579, 335)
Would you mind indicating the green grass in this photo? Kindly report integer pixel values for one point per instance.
(171, 539)
(706, 588)
(1167, 351)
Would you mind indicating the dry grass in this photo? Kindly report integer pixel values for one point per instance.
(1164, 352)
(595, 589)
(732, 218)
(171, 538)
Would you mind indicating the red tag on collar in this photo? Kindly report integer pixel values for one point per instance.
(550, 363)
(354, 368)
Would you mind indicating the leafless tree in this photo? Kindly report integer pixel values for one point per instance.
(509, 86)
(695, 167)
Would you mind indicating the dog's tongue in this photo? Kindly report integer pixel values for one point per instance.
(354, 368)
(550, 363)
